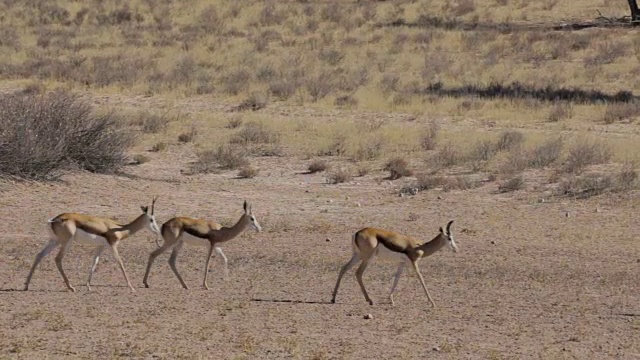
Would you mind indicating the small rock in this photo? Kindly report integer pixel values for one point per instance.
(329, 201)
(347, 198)
(328, 240)
(597, 209)
(439, 197)
(566, 214)
(306, 191)
(435, 348)
(540, 200)
(358, 205)
(368, 317)
(401, 195)
(493, 242)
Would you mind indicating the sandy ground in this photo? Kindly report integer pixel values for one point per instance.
(529, 281)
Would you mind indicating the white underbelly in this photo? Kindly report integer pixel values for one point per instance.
(194, 240)
(84, 237)
(384, 254)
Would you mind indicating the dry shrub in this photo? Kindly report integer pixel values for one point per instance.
(429, 138)
(346, 101)
(44, 134)
(339, 176)
(139, 159)
(237, 81)
(627, 178)
(159, 146)
(224, 157)
(397, 168)
(363, 170)
(482, 151)
(317, 166)
(427, 182)
(254, 102)
(370, 149)
(463, 7)
(606, 53)
(282, 89)
(560, 111)
(546, 153)
(509, 140)
(248, 172)
(389, 83)
(448, 155)
(255, 133)
(152, 123)
(188, 136)
(234, 122)
(516, 161)
(585, 153)
(585, 186)
(513, 184)
(460, 183)
(210, 21)
(332, 57)
(621, 111)
(337, 148)
(319, 86)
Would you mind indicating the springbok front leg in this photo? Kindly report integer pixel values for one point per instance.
(415, 267)
(206, 267)
(395, 282)
(94, 264)
(46, 251)
(351, 263)
(225, 262)
(114, 248)
(152, 257)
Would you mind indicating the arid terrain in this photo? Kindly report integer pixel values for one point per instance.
(537, 275)
(327, 116)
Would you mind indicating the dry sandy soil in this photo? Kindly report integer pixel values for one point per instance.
(529, 281)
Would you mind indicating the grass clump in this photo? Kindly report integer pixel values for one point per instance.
(225, 157)
(248, 172)
(585, 153)
(188, 136)
(546, 153)
(429, 138)
(255, 133)
(339, 176)
(513, 184)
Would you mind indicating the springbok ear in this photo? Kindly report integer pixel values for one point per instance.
(145, 209)
(441, 230)
(246, 207)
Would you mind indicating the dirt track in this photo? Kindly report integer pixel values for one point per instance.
(529, 282)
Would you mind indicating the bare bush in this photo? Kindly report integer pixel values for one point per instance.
(621, 111)
(317, 166)
(248, 172)
(188, 136)
(585, 153)
(339, 176)
(254, 102)
(585, 186)
(460, 183)
(159, 146)
(509, 140)
(255, 133)
(513, 184)
(448, 155)
(546, 153)
(627, 178)
(224, 157)
(428, 182)
(516, 161)
(397, 168)
(337, 148)
(429, 138)
(482, 151)
(370, 149)
(560, 111)
(43, 135)
(152, 123)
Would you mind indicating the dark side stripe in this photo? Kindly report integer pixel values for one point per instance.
(196, 233)
(390, 245)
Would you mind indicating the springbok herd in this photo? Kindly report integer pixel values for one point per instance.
(101, 232)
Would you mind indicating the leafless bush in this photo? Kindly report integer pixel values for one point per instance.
(347, 101)
(460, 183)
(389, 83)
(509, 140)
(282, 89)
(516, 161)
(159, 146)
(188, 136)
(370, 149)
(255, 133)
(482, 151)
(319, 86)
(606, 53)
(429, 138)
(546, 153)
(448, 155)
(254, 102)
(237, 81)
(224, 157)
(119, 69)
(248, 172)
(397, 168)
(627, 178)
(210, 21)
(332, 57)
(585, 153)
(234, 122)
(621, 111)
(585, 186)
(42, 135)
(317, 166)
(428, 182)
(560, 111)
(152, 123)
(337, 148)
(339, 176)
(513, 184)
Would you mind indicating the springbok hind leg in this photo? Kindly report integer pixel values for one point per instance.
(354, 260)
(46, 251)
(395, 282)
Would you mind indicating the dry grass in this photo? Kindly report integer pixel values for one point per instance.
(317, 166)
(397, 168)
(339, 176)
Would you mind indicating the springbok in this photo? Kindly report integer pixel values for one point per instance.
(97, 231)
(393, 247)
(180, 230)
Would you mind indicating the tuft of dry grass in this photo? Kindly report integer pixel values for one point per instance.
(546, 153)
(225, 157)
(188, 136)
(159, 146)
(255, 133)
(513, 184)
(429, 139)
(509, 140)
(560, 111)
(448, 155)
(621, 111)
(234, 122)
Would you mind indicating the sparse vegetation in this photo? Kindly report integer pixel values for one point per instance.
(513, 184)
(225, 157)
(317, 166)
(248, 172)
(584, 153)
(188, 136)
(339, 176)
(397, 168)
